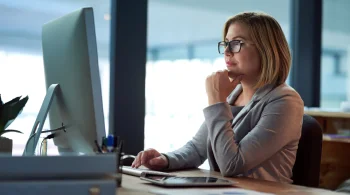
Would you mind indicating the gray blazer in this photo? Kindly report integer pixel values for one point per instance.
(259, 140)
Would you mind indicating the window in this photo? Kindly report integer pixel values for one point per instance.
(335, 54)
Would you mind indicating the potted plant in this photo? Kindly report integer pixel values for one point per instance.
(8, 113)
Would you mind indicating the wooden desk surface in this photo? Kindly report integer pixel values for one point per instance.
(133, 186)
(328, 114)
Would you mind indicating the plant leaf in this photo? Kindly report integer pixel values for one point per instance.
(1, 123)
(2, 112)
(14, 100)
(8, 131)
(10, 111)
(16, 109)
(1, 101)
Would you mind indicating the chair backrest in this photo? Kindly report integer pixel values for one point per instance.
(306, 170)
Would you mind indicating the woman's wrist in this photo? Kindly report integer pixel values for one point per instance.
(212, 101)
(167, 159)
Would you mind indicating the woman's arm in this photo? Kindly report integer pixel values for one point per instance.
(279, 124)
(191, 155)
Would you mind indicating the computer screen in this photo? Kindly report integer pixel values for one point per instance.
(71, 61)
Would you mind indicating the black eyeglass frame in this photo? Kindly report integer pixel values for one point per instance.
(228, 43)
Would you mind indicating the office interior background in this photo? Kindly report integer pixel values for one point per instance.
(182, 38)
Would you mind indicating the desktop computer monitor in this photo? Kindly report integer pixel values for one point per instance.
(71, 62)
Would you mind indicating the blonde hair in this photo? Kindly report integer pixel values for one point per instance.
(271, 43)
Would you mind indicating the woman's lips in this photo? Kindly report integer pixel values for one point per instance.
(229, 63)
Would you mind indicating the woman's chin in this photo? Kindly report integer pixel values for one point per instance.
(233, 74)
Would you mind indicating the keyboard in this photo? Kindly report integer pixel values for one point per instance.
(138, 171)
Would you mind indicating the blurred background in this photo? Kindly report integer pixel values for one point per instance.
(182, 51)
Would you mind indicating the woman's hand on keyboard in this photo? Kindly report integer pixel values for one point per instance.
(151, 159)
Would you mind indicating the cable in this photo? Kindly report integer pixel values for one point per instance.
(52, 135)
(46, 131)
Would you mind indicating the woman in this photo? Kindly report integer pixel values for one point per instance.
(253, 121)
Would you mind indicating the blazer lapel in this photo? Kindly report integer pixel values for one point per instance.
(260, 93)
(243, 112)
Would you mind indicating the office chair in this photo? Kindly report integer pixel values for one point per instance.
(306, 170)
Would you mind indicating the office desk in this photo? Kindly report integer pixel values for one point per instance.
(331, 122)
(133, 186)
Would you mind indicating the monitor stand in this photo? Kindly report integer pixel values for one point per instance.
(33, 139)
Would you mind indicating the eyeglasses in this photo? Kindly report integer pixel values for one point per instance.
(234, 46)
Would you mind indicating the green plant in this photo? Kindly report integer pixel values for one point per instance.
(9, 111)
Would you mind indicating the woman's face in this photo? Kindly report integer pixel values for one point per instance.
(246, 62)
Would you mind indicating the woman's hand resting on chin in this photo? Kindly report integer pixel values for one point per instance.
(219, 85)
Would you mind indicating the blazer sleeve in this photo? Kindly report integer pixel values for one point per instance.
(279, 123)
(192, 154)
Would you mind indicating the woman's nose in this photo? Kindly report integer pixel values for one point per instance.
(228, 52)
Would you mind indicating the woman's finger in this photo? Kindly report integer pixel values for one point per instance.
(144, 157)
(138, 159)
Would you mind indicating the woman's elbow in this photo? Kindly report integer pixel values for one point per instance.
(229, 173)
(232, 165)
(231, 170)
(226, 173)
